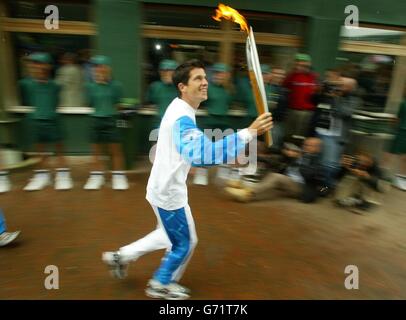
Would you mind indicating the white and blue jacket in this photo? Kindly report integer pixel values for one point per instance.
(182, 145)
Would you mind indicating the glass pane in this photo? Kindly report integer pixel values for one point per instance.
(179, 16)
(372, 35)
(56, 45)
(70, 11)
(273, 55)
(201, 17)
(276, 24)
(373, 73)
(178, 50)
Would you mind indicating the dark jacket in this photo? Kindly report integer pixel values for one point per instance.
(342, 108)
(375, 172)
(278, 102)
(313, 174)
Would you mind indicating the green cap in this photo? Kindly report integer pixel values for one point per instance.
(101, 60)
(168, 65)
(265, 68)
(220, 67)
(41, 57)
(303, 57)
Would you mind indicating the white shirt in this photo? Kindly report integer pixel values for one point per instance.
(71, 78)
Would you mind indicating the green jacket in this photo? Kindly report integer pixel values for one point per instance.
(161, 94)
(218, 101)
(104, 97)
(245, 96)
(43, 96)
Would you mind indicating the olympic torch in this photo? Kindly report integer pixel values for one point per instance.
(254, 68)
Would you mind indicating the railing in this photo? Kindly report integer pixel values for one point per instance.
(147, 110)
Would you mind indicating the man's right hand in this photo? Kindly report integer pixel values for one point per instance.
(261, 124)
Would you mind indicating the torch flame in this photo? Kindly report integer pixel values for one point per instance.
(229, 13)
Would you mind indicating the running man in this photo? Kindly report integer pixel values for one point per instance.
(180, 145)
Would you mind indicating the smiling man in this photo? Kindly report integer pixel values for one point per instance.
(180, 145)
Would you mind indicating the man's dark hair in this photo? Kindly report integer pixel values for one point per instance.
(182, 72)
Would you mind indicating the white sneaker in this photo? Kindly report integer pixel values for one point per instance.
(201, 177)
(95, 181)
(39, 181)
(7, 237)
(403, 184)
(400, 183)
(349, 202)
(5, 184)
(171, 291)
(63, 181)
(119, 181)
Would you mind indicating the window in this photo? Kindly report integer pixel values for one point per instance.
(184, 32)
(68, 10)
(375, 56)
(24, 33)
(179, 16)
(201, 17)
(376, 35)
(272, 55)
(178, 50)
(373, 73)
(56, 45)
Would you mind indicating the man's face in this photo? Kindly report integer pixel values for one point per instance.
(348, 84)
(221, 77)
(31, 69)
(364, 161)
(166, 76)
(195, 91)
(40, 71)
(302, 66)
(312, 145)
(291, 153)
(278, 75)
(267, 77)
(101, 73)
(332, 76)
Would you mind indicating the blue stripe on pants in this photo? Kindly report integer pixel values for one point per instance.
(2, 222)
(177, 228)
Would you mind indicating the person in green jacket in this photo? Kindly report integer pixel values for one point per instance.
(219, 96)
(245, 94)
(162, 92)
(104, 95)
(41, 92)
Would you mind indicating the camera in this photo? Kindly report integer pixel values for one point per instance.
(331, 88)
(354, 163)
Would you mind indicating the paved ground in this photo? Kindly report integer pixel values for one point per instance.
(267, 250)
